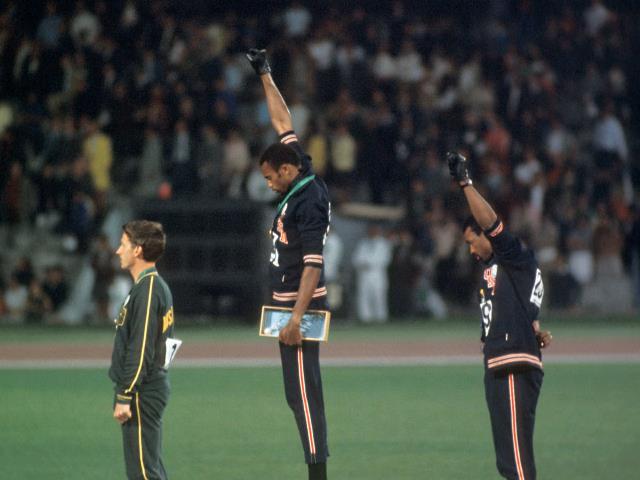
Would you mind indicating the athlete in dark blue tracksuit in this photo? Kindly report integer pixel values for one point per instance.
(298, 234)
(510, 300)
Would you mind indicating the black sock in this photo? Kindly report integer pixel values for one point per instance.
(317, 471)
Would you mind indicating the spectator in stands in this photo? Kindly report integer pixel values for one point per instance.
(318, 147)
(55, 286)
(527, 170)
(50, 27)
(297, 20)
(579, 242)
(610, 291)
(403, 273)
(402, 84)
(209, 155)
(150, 173)
(23, 271)
(596, 17)
(371, 259)
(433, 173)
(558, 142)
(183, 171)
(427, 299)
(409, 63)
(37, 305)
(322, 50)
(102, 262)
(15, 299)
(343, 157)
(18, 200)
(85, 26)
(97, 149)
(545, 241)
(333, 258)
(78, 206)
(123, 119)
(384, 66)
(236, 161)
(611, 153)
(300, 115)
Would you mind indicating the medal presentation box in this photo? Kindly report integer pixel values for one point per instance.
(314, 326)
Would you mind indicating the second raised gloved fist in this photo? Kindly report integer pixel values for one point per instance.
(258, 60)
(458, 168)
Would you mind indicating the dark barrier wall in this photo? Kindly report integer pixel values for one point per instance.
(215, 257)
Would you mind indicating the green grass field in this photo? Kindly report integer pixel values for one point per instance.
(384, 423)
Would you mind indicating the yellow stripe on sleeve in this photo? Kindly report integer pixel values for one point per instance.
(144, 339)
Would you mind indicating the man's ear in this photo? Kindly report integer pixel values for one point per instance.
(286, 170)
(137, 251)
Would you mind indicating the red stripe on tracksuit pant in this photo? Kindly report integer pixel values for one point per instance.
(512, 397)
(303, 391)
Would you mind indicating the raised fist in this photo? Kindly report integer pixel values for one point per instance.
(458, 168)
(258, 60)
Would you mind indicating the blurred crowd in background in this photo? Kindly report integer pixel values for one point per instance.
(106, 99)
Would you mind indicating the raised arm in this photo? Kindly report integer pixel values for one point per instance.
(278, 111)
(480, 208)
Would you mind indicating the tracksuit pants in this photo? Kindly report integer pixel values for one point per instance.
(142, 435)
(512, 397)
(303, 391)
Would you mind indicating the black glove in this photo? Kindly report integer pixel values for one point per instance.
(258, 60)
(458, 168)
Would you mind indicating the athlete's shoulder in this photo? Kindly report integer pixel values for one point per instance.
(163, 290)
(315, 196)
(506, 246)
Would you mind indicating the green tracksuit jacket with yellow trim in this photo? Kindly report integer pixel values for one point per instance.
(144, 323)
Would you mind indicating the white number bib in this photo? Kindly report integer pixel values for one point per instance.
(486, 308)
(172, 346)
(538, 290)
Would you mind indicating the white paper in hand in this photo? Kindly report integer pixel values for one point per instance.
(173, 344)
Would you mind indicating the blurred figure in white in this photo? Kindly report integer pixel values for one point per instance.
(581, 264)
(118, 289)
(333, 250)
(236, 162)
(371, 259)
(611, 156)
(297, 20)
(15, 300)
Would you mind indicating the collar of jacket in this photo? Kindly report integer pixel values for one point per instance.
(144, 273)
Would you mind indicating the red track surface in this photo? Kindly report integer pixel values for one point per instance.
(343, 350)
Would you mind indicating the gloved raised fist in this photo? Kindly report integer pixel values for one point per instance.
(458, 168)
(258, 60)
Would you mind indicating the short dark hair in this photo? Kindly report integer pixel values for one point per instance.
(148, 235)
(279, 154)
(471, 223)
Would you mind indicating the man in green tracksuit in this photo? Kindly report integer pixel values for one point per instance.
(139, 361)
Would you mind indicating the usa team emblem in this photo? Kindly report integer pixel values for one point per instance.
(490, 275)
